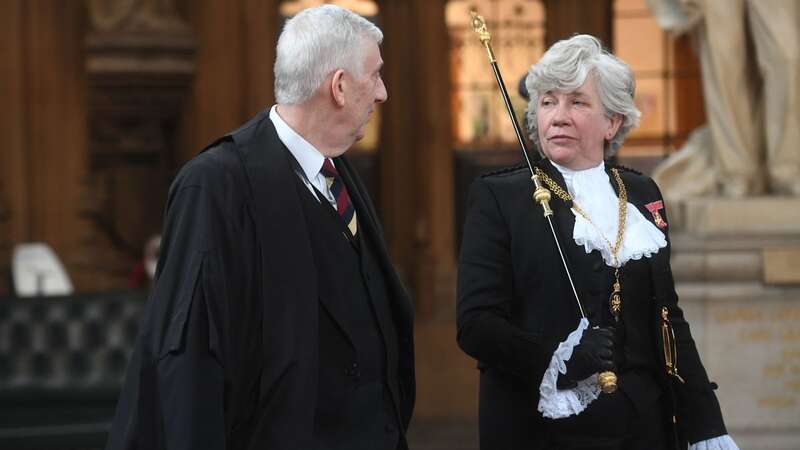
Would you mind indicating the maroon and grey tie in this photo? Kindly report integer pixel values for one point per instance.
(343, 204)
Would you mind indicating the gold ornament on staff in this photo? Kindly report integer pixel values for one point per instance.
(607, 380)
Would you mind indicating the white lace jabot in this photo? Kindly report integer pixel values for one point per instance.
(591, 190)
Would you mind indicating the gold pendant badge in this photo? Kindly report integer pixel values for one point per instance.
(615, 300)
(615, 303)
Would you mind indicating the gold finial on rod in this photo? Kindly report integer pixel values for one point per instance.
(479, 26)
(607, 381)
(542, 196)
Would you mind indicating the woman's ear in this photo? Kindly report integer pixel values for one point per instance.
(614, 122)
(338, 87)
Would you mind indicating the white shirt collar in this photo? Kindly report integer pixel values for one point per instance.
(309, 158)
(578, 178)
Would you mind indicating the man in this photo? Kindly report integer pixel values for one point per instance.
(277, 320)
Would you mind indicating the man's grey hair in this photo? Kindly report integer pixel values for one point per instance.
(566, 65)
(316, 42)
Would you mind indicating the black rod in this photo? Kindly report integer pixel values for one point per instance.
(510, 108)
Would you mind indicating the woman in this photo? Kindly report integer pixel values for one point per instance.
(517, 314)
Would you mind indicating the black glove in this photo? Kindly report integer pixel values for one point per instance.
(594, 353)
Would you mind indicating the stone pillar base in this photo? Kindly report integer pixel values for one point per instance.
(737, 268)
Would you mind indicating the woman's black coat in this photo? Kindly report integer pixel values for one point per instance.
(515, 306)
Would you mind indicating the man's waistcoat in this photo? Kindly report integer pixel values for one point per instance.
(354, 407)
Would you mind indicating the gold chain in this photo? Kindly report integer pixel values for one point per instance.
(615, 300)
(623, 208)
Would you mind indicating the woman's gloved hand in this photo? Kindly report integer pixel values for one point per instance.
(594, 354)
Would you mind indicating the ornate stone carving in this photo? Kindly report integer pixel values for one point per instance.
(140, 63)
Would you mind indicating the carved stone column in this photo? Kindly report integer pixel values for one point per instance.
(139, 64)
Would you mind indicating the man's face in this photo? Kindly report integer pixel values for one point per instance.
(573, 126)
(365, 92)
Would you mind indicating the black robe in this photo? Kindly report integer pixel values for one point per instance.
(227, 356)
(515, 305)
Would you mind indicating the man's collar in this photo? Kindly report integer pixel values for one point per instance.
(309, 158)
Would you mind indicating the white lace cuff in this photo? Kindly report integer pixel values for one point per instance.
(555, 403)
(723, 442)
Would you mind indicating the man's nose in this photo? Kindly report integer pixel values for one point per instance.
(382, 94)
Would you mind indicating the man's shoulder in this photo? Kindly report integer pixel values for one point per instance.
(225, 156)
(217, 167)
(252, 129)
(244, 135)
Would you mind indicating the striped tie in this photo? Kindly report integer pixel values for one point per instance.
(343, 205)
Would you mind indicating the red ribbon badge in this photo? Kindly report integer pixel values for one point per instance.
(654, 207)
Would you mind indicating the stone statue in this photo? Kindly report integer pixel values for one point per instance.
(750, 64)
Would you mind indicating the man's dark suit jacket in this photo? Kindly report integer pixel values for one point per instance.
(228, 352)
(515, 305)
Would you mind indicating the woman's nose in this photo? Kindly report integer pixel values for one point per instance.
(561, 114)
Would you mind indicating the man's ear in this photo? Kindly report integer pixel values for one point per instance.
(338, 87)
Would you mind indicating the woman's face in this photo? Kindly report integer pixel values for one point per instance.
(573, 126)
